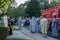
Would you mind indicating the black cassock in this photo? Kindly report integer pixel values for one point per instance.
(9, 24)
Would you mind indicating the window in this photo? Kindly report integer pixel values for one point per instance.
(59, 13)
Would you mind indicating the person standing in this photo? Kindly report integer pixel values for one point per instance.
(27, 21)
(44, 24)
(19, 23)
(39, 26)
(55, 26)
(33, 25)
(9, 24)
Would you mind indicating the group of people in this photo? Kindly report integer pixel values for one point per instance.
(41, 25)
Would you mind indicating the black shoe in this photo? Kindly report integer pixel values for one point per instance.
(32, 32)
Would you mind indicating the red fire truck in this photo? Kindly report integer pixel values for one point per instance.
(50, 12)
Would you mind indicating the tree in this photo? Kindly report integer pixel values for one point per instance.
(47, 5)
(11, 12)
(16, 12)
(22, 9)
(33, 8)
(5, 4)
(54, 3)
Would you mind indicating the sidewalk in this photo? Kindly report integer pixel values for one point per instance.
(18, 34)
(35, 36)
(26, 34)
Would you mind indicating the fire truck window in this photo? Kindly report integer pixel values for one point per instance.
(59, 13)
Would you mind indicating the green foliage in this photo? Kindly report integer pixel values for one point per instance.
(54, 3)
(33, 8)
(21, 10)
(5, 4)
(16, 12)
(47, 5)
(30, 8)
(3, 33)
(11, 12)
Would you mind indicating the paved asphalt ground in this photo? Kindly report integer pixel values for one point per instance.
(26, 34)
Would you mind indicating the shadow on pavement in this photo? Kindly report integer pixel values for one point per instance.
(50, 35)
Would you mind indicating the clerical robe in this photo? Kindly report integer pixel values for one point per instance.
(44, 25)
(33, 25)
(39, 26)
(19, 22)
(55, 27)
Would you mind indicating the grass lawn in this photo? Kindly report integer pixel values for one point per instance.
(14, 28)
(15, 39)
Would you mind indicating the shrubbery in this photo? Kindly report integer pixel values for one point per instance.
(3, 33)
